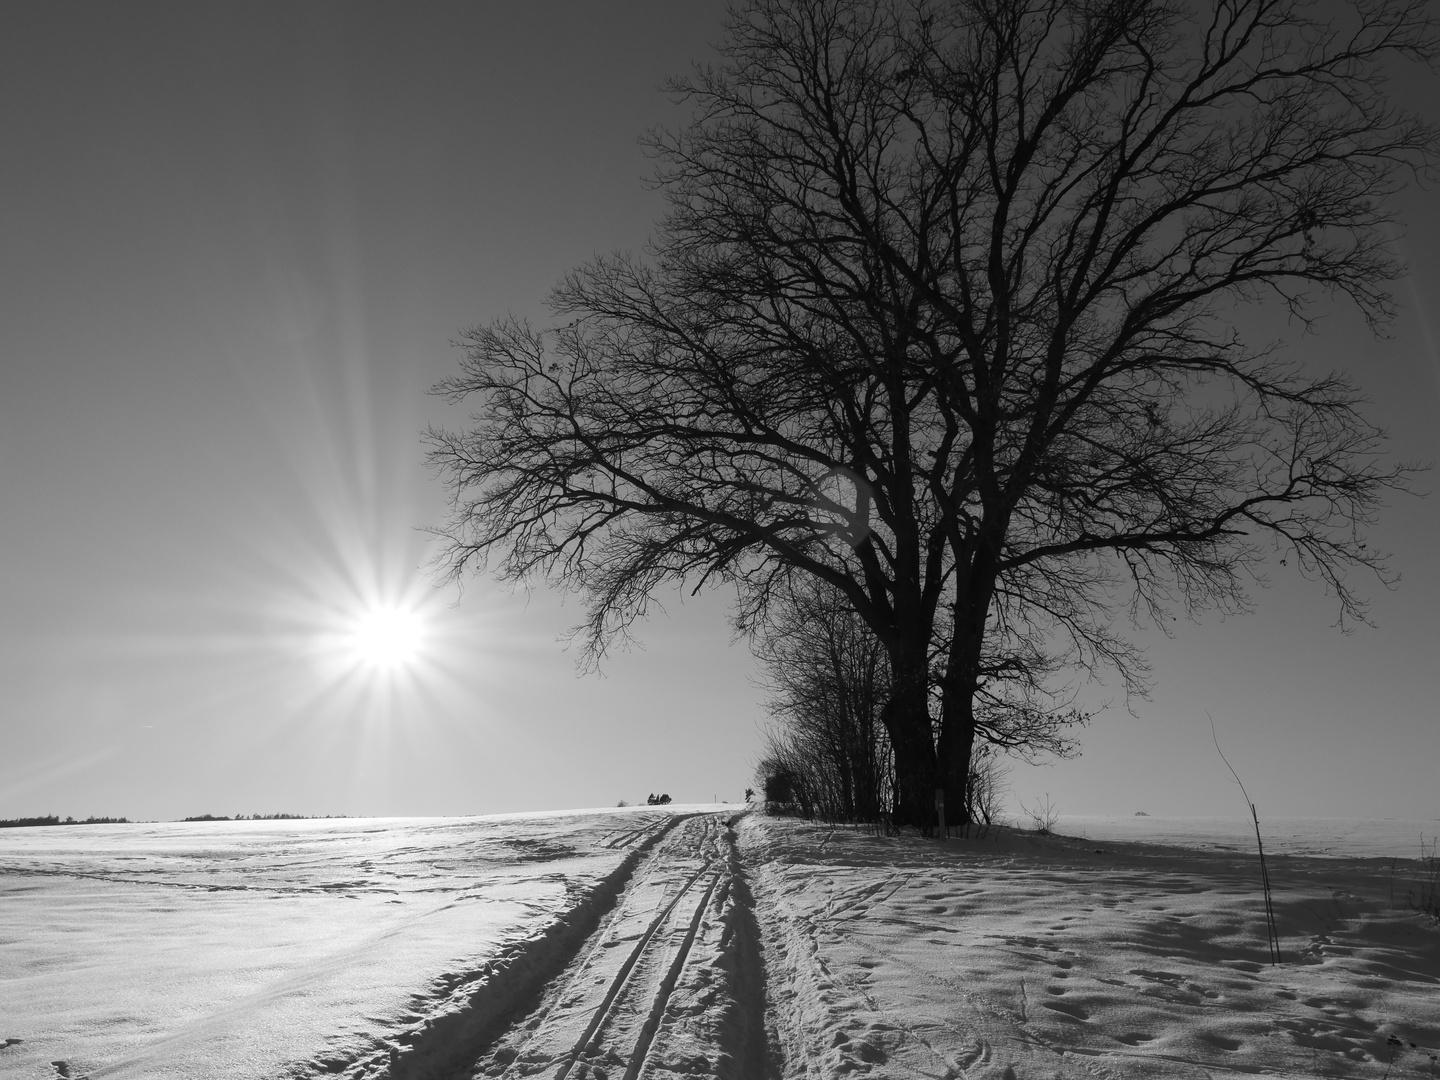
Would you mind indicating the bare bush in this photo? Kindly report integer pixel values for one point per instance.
(1042, 816)
(828, 678)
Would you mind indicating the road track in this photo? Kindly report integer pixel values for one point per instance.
(626, 837)
(643, 993)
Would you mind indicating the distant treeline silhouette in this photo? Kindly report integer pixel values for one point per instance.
(53, 819)
(266, 817)
(25, 822)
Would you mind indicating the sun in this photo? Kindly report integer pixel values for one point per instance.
(386, 638)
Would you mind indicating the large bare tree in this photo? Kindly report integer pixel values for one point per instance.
(943, 314)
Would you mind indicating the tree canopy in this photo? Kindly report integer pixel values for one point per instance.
(942, 314)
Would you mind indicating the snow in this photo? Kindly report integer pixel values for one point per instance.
(701, 941)
(243, 949)
(1345, 837)
(1020, 955)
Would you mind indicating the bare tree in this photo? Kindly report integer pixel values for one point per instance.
(828, 679)
(986, 786)
(941, 314)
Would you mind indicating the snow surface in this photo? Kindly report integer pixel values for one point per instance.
(1021, 955)
(698, 941)
(1341, 837)
(249, 949)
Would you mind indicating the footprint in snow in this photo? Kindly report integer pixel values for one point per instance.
(1065, 1008)
(1222, 1042)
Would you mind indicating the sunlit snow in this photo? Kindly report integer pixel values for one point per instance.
(234, 949)
(699, 941)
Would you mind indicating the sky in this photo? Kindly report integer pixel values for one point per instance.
(236, 245)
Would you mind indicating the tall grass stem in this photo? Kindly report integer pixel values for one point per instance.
(1272, 931)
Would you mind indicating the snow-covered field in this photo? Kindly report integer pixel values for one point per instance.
(269, 948)
(696, 941)
(1358, 838)
(1031, 956)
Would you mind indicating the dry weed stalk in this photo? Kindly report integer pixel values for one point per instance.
(1272, 932)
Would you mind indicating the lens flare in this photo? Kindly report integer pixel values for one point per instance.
(386, 638)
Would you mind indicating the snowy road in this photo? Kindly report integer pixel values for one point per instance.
(660, 987)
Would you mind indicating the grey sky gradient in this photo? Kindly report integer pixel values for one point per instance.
(235, 242)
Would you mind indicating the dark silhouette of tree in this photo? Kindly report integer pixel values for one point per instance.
(828, 678)
(941, 315)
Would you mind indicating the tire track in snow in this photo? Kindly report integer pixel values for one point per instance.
(602, 993)
(671, 980)
(607, 1015)
(482, 1002)
(629, 836)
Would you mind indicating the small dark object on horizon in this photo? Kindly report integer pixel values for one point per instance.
(658, 800)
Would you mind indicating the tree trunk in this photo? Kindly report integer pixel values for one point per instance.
(906, 716)
(957, 747)
(960, 683)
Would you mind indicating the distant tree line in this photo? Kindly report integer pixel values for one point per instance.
(52, 819)
(27, 822)
(265, 817)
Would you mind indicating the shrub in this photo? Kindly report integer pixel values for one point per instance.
(1043, 816)
(1424, 895)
